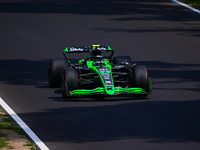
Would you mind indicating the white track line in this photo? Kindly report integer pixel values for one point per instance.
(30, 133)
(187, 6)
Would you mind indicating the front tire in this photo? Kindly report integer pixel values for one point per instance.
(69, 81)
(140, 78)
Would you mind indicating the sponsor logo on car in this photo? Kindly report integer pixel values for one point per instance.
(72, 49)
(100, 48)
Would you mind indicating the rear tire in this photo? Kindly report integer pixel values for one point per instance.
(69, 81)
(118, 60)
(55, 67)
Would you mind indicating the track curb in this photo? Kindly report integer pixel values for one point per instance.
(187, 6)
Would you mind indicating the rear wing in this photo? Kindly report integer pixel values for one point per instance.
(88, 49)
(101, 48)
(76, 50)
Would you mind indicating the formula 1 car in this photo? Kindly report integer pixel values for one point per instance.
(98, 74)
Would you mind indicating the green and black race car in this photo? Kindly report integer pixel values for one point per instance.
(98, 74)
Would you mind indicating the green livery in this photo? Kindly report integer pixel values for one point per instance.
(98, 74)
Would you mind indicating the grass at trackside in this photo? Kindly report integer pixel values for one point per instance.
(9, 126)
(3, 140)
(30, 145)
(6, 123)
(193, 3)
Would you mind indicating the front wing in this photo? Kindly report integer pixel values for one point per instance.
(101, 90)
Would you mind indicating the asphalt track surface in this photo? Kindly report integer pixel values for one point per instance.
(159, 34)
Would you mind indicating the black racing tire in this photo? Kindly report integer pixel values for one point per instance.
(140, 78)
(119, 59)
(55, 67)
(69, 81)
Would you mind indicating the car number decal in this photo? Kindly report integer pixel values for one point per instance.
(106, 76)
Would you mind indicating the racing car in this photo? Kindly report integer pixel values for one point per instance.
(98, 74)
